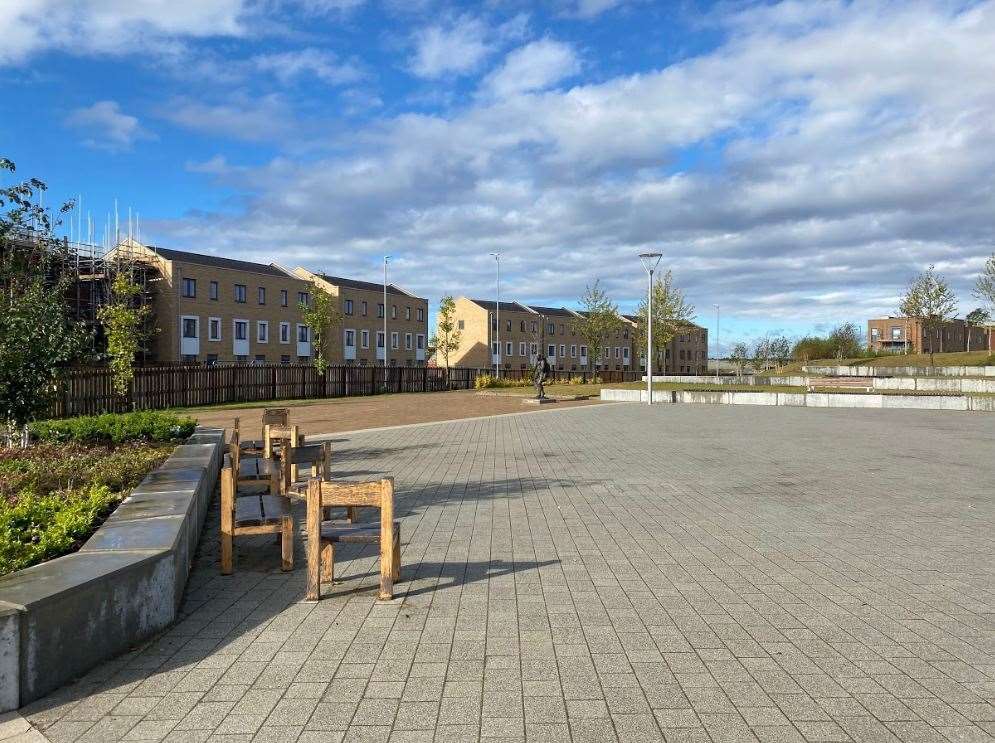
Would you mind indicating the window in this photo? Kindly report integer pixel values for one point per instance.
(348, 306)
(494, 325)
(495, 348)
(284, 359)
(507, 326)
(363, 305)
(420, 342)
(304, 299)
(380, 309)
(563, 350)
(189, 358)
(875, 334)
(190, 327)
(350, 338)
(283, 297)
(625, 333)
(521, 328)
(573, 351)
(260, 358)
(618, 352)
(262, 331)
(551, 351)
(509, 348)
(303, 334)
(393, 312)
(261, 295)
(896, 332)
(534, 349)
(583, 352)
(212, 291)
(240, 293)
(190, 288)
(421, 315)
(365, 338)
(562, 331)
(551, 328)
(625, 354)
(285, 332)
(394, 341)
(212, 359)
(241, 358)
(407, 341)
(462, 325)
(214, 329)
(380, 339)
(521, 348)
(241, 330)
(407, 313)
(608, 352)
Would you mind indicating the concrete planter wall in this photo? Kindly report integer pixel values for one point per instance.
(61, 618)
(746, 379)
(810, 399)
(901, 371)
(932, 384)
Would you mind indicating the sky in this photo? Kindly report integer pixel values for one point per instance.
(795, 162)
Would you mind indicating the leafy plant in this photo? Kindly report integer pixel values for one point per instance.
(146, 425)
(123, 322)
(930, 300)
(671, 313)
(320, 314)
(447, 338)
(599, 319)
(488, 381)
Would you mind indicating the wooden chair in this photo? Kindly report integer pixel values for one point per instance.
(252, 514)
(253, 470)
(323, 535)
(277, 438)
(276, 419)
(316, 457)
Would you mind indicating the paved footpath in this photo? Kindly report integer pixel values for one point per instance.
(605, 573)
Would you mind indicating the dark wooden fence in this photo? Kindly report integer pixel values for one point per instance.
(89, 391)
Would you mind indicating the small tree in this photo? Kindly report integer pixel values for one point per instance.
(598, 320)
(930, 300)
(845, 341)
(321, 315)
(760, 357)
(978, 318)
(984, 289)
(38, 338)
(446, 339)
(123, 323)
(739, 356)
(671, 313)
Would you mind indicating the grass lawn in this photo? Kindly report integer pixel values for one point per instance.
(963, 358)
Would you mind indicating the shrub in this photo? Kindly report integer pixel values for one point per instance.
(40, 527)
(486, 381)
(115, 428)
(580, 380)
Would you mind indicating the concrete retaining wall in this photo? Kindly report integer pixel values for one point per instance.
(61, 618)
(746, 379)
(932, 384)
(810, 399)
(900, 371)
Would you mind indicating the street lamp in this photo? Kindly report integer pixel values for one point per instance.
(650, 261)
(497, 317)
(717, 347)
(386, 383)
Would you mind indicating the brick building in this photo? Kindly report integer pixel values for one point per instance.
(907, 335)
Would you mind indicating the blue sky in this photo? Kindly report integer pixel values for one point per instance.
(796, 162)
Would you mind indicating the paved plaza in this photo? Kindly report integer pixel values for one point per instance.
(602, 573)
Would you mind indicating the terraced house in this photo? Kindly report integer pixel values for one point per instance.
(209, 309)
(360, 338)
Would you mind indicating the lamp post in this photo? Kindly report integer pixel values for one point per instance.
(650, 261)
(497, 317)
(386, 378)
(718, 351)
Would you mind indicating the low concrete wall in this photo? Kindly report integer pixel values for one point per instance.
(746, 379)
(900, 371)
(123, 586)
(932, 384)
(810, 399)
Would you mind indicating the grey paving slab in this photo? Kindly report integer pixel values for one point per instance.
(604, 573)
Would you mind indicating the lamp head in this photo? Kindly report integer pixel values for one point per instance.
(650, 260)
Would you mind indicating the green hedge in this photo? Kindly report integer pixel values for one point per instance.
(115, 428)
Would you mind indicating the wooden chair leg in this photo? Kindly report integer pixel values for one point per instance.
(396, 568)
(328, 562)
(227, 555)
(352, 514)
(287, 544)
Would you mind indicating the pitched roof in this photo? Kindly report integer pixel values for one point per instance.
(217, 262)
(368, 286)
(489, 305)
(552, 311)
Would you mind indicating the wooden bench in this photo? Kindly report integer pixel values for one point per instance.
(323, 535)
(243, 515)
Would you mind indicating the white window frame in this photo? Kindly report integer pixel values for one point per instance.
(381, 339)
(551, 350)
(196, 325)
(285, 336)
(210, 328)
(262, 331)
(364, 338)
(307, 333)
(420, 342)
(509, 348)
(395, 340)
(234, 329)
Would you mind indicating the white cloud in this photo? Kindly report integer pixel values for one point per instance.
(107, 127)
(244, 117)
(307, 64)
(589, 8)
(460, 45)
(535, 66)
(803, 169)
(111, 26)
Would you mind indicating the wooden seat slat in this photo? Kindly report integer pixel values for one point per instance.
(255, 510)
(355, 533)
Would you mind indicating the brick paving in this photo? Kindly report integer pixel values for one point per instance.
(605, 573)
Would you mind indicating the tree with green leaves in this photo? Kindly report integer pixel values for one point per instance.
(845, 341)
(321, 315)
(740, 356)
(38, 337)
(930, 300)
(977, 318)
(599, 319)
(671, 313)
(123, 319)
(984, 289)
(446, 339)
